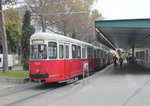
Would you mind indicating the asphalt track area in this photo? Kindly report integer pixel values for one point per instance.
(24, 94)
(15, 95)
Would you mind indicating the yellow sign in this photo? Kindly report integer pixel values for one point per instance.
(38, 41)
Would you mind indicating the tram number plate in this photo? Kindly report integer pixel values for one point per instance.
(37, 81)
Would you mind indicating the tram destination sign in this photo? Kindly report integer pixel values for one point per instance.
(38, 41)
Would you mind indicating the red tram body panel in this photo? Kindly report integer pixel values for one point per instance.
(53, 70)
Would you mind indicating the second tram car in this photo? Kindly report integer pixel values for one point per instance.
(57, 58)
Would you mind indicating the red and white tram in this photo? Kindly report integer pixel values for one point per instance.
(57, 58)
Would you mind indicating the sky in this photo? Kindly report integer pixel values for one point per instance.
(123, 9)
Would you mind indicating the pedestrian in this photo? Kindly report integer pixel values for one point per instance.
(120, 61)
(127, 58)
(115, 60)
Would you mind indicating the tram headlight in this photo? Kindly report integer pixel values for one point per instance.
(37, 71)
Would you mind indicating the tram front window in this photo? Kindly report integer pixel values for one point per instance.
(38, 51)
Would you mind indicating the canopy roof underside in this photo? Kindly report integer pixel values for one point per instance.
(122, 33)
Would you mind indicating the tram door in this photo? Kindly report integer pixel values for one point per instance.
(67, 61)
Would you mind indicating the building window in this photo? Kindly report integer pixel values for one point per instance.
(143, 55)
(137, 55)
(146, 55)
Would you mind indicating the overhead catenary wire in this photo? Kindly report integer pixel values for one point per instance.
(62, 13)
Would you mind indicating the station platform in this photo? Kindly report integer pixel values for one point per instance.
(129, 86)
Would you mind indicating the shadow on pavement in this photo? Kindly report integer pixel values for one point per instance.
(130, 68)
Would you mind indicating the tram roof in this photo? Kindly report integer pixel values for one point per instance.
(122, 33)
(96, 47)
(57, 37)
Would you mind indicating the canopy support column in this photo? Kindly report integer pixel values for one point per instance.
(133, 53)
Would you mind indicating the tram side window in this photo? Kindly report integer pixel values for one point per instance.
(52, 50)
(102, 54)
(61, 51)
(78, 52)
(95, 56)
(83, 53)
(105, 55)
(67, 51)
(98, 54)
(90, 53)
(74, 51)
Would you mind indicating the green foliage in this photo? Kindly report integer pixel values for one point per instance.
(27, 31)
(16, 74)
(95, 15)
(17, 65)
(26, 21)
(13, 28)
(25, 61)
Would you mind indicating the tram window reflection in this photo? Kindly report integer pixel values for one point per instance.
(52, 50)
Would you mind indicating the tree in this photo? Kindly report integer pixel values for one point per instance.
(39, 7)
(47, 13)
(27, 31)
(4, 39)
(3, 32)
(74, 34)
(13, 28)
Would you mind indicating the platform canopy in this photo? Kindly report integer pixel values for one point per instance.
(122, 33)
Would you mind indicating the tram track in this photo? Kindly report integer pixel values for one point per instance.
(59, 92)
(27, 93)
(13, 90)
(24, 87)
(29, 97)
